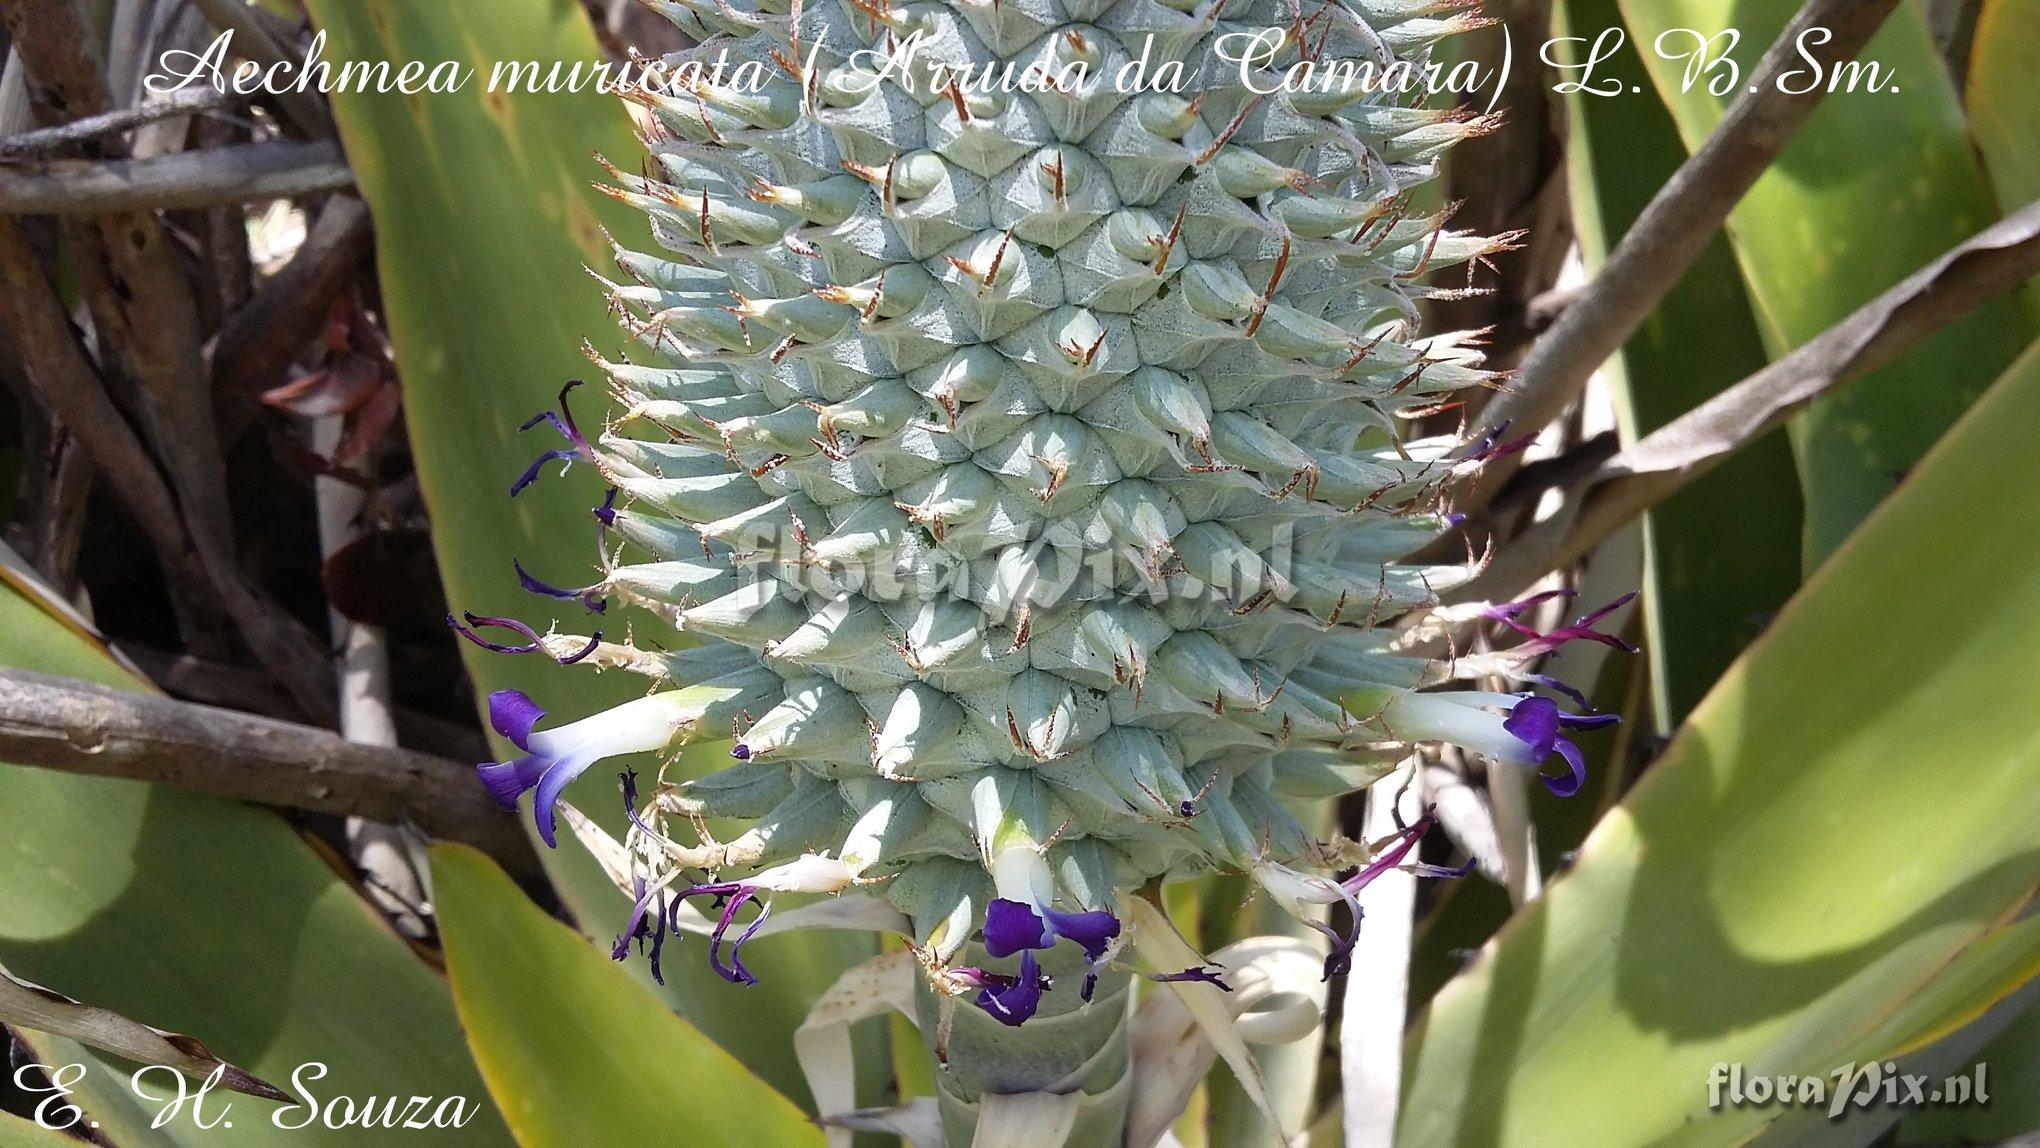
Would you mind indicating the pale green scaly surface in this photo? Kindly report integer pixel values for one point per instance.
(966, 375)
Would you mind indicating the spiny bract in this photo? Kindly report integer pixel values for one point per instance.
(1031, 472)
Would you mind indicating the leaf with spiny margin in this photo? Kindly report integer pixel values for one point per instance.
(485, 219)
(1733, 909)
(573, 1050)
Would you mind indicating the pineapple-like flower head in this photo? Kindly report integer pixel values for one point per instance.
(1019, 418)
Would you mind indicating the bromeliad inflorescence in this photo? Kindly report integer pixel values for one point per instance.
(1029, 467)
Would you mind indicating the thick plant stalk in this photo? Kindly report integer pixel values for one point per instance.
(1067, 1048)
(1027, 456)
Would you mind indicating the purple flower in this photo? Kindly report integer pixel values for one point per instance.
(562, 421)
(1536, 722)
(1582, 629)
(1527, 735)
(1015, 927)
(553, 758)
(1340, 960)
(1011, 926)
(512, 714)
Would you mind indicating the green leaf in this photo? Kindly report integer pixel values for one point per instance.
(485, 220)
(1722, 555)
(2004, 109)
(2013, 1057)
(1873, 186)
(574, 1051)
(18, 1133)
(1929, 1036)
(1840, 822)
(215, 919)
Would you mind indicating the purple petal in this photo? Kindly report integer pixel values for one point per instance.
(1507, 611)
(1547, 681)
(1587, 721)
(1582, 630)
(1393, 856)
(977, 978)
(1534, 722)
(658, 940)
(1093, 930)
(605, 518)
(1567, 786)
(506, 781)
(559, 773)
(647, 919)
(591, 601)
(563, 422)
(1014, 1004)
(1490, 446)
(1202, 974)
(563, 419)
(1339, 961)
(741, 752)
(477, 621)
(738, 895)
(512, 713)
(531, 472)
(1595, 616)
(1011, 927)
(735, 972)
(1483, 448)
(630, 810)
(572, 429)
(594, 640)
